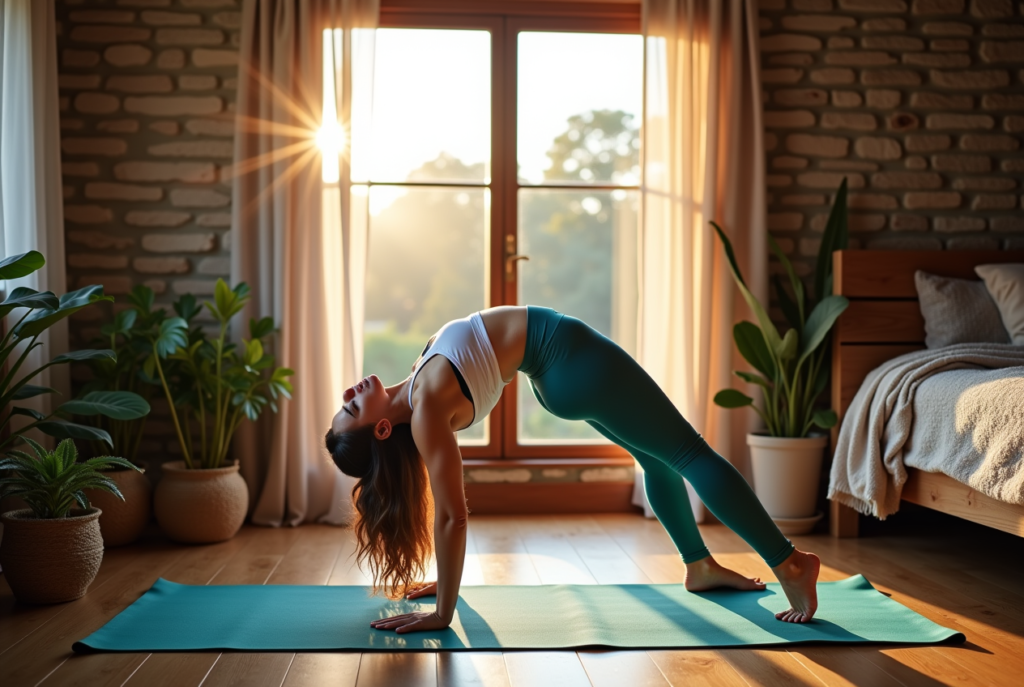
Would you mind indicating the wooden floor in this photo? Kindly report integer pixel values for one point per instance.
(960, 575)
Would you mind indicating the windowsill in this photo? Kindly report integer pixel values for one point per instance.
(619, 461)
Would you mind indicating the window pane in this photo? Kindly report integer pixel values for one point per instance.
(432, 105)
(583, 262)
(427, 265)
(579, 102)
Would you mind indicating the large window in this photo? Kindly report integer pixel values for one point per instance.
(503, 168)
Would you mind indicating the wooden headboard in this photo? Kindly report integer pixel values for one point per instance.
(884, 321)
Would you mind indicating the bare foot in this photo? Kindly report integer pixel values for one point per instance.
(798, 575)
(708, 574)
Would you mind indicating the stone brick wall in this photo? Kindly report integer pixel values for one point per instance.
(919, 103)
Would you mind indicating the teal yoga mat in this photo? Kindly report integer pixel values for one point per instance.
(177, 617)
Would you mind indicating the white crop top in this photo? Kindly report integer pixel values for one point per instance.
(464, 342)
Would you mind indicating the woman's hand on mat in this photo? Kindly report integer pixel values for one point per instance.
(428, 589)
(411, 622)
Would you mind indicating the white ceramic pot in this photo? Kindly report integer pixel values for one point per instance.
(786, 473)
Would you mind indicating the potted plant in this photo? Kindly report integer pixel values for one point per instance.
(215, 385)
(51, 551)
(123, 520)
(792, 370)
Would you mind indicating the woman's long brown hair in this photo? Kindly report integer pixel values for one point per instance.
(394, 509)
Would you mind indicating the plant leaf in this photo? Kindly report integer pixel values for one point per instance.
(794, 281)
(789, 345)
(826, 419)
(753, 378)
(18, 266)
(84, 354)
(173, 334)
(30, 391)
(751, 345)
(786, 304)
(30, 412)
(730, 398)
(820, 323)
(260, 328)
(836, 237)
(70, 430)
(118, 405)
(70, 303)
(24, 297)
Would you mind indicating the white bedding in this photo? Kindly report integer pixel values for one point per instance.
(958, 410)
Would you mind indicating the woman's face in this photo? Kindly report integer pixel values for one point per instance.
(365, 403)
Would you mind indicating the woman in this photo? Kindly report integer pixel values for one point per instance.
(399, 442)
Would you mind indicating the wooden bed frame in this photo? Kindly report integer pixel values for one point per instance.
(884, 321)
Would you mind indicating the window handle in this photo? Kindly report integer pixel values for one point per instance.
(510, 266)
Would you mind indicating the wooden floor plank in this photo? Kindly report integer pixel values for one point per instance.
(503, 557)
(408, 669)
(769, 668)
(554, 559)
(697, 668)
(604, 558)
(472, 669)
(545, 669)
(323, 670)
(618, 668)
(838, 665)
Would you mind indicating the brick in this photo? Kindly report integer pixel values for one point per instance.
(214, 127)
(79, 169)
(883, 98)
(790, 119)
(78, 82)
(954, 121)
(825, 23)
(179, 243)
(949, 45)
(879, 6)
(1002, 101)
(846, 99)
(202, 287)
(112, 285)
(79, 58)
(789, 162)
(108, 147)
(214, 266)
(817, 146)
(171, 59)
(962, 163)
(198, 197)
(809, 247)
(840, 43)
(800, 96)
(972, 243)
(947, 28)
(948, 225)
(901, 222)
(988, 142)
(225, 241)
(102, 17)
(71, 124)
(785, 221)
(108, 191)
(96, 103)
(63, 103)
(109, 34)
(829, 180)
(849, 165)
(859, 58)
(230, 83)
(98, 240)
(939, 101)
(878, 148)
(922, 143)
(796, 59)
(994, 201)
(892, 43)
(1012, 165)
(102, 261)
(939, 200)
(140, 84)
(216, 219)
(87, 214)
(833, 76)
(771, 141)
(189, 37)
(991, 9)
(915, 180)
(197, 82)
(937, 7)
(1002, 51)
(229, 20)
(872, 201)
(204, 4)
(203, 57)
(206, 149)
(156, 218)
(773, 180)
(118, 126)
(783, 42)
(860, 222)
(190, 172)
(1003, 30)
(840, 120)
(159, 286)
(939, 61)
(1012, 223)
(887, 24)
(804, 199)
(171, 18)
(172, 106)
(902, 121)
(127, 55)
(165, 127)
(161, 265)
(889, 77)
(788, 75)
(905, 243)
(1014, 123)
(974, 183)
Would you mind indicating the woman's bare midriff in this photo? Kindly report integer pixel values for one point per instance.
(506, 328)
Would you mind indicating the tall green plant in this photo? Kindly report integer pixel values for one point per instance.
(217, 384)
(792, 369)
(42, 310)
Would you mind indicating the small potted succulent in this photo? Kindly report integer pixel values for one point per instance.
(51, 551)
(211, 386)
(792, 370)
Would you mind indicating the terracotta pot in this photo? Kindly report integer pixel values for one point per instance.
(200, 506)
(122, 522)
(49, 561)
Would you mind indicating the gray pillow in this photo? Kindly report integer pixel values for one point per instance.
(1005, 284)
(958, 311)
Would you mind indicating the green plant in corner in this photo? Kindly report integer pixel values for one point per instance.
(792, 369)
(52, 482)
(217, 384)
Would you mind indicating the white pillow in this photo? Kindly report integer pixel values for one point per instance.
(1006, 285)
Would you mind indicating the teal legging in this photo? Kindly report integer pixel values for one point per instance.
(578, 374)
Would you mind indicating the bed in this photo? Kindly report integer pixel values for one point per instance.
(883, 322)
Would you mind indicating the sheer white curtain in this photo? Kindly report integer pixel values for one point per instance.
(298, 236)
(31, 198)
(703, 160)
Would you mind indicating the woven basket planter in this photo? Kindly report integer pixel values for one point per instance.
(200, 506)
(122, 522)
(49, 561)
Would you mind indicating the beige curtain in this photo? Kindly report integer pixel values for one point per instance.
(298, 237)
(703, 160)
